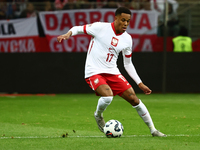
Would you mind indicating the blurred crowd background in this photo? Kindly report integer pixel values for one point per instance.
(11, 9)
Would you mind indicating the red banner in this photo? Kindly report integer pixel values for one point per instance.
(142, 28)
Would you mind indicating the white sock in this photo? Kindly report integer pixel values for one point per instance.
(144, 114)
(102, 105)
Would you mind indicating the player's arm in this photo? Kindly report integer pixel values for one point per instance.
(73, 31)
(90, 29)
(129, 67)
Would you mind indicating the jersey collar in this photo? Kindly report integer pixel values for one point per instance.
(113, 27)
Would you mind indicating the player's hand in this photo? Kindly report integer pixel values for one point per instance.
(64, 36)
(144, 88)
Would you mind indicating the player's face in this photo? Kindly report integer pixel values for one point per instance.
(121, 22)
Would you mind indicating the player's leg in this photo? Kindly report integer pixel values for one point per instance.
(130, 96)
(98, 83)
(106, 98)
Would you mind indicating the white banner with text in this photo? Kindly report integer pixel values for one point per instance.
(18, 35)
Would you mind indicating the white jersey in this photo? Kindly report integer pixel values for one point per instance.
(104, 48)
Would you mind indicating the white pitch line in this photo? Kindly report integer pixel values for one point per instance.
(51, 137)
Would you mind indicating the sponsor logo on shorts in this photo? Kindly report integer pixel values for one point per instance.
(96, 81)
(122, 77)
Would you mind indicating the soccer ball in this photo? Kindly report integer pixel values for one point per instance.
(113, 129)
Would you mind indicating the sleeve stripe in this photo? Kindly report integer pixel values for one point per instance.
(128, 56)
(84, 29)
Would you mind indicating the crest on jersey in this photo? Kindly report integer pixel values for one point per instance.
(114, 41)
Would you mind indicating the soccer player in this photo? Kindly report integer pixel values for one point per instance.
(101, 72)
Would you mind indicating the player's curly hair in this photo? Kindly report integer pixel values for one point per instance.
(122, 10)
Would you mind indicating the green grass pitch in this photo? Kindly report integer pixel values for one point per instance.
(39, 122)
